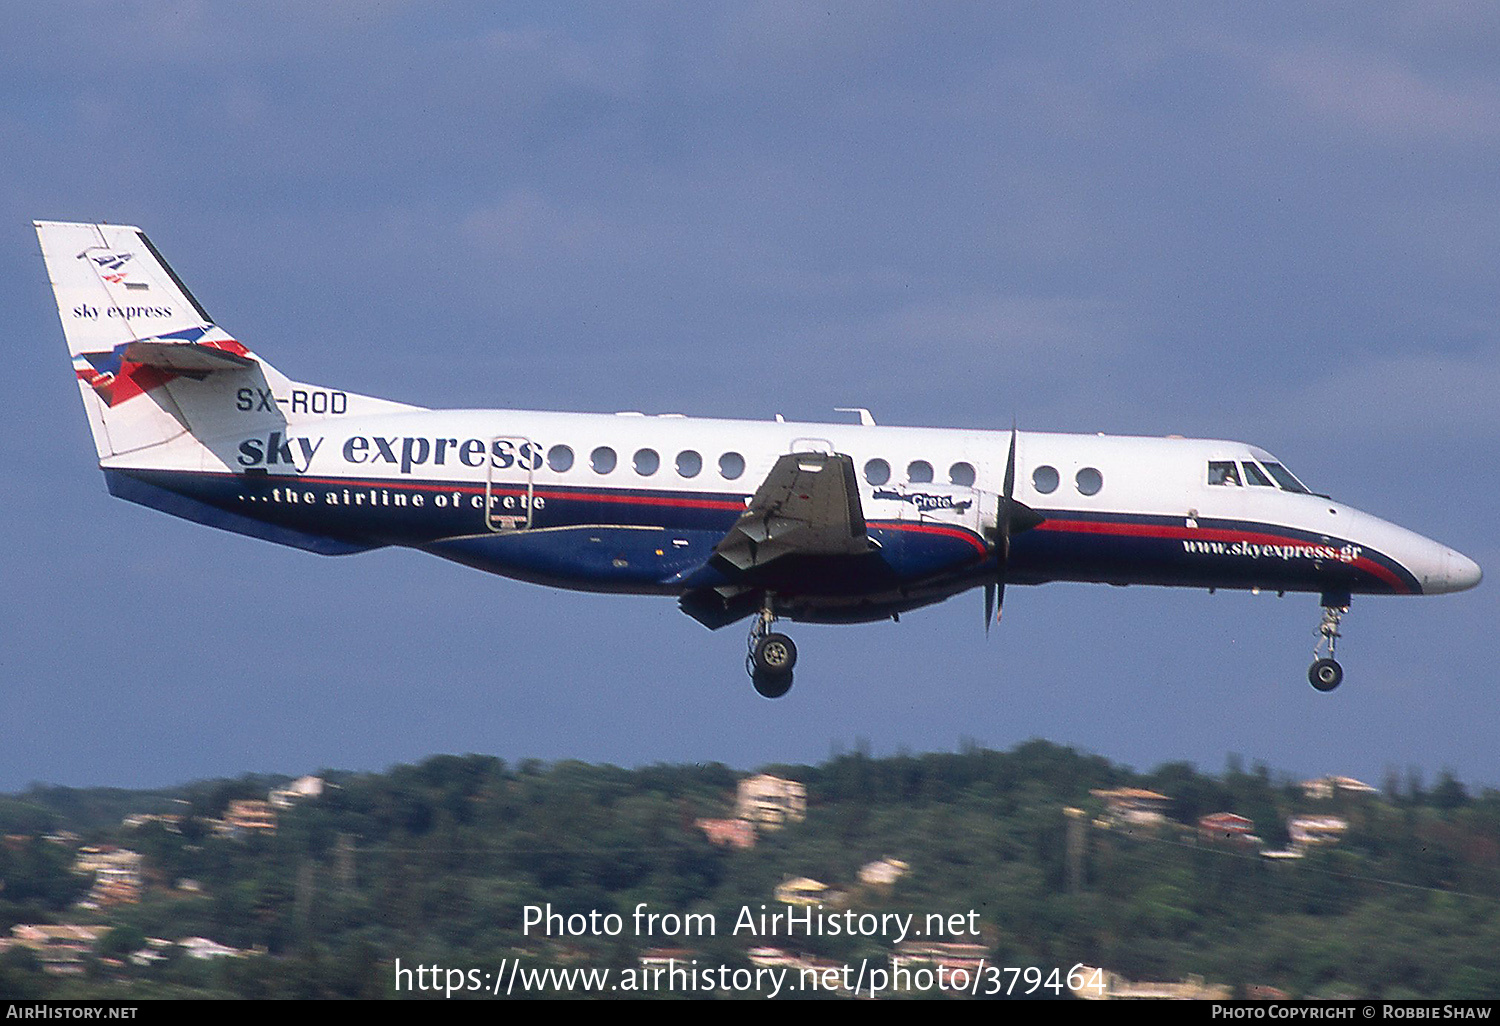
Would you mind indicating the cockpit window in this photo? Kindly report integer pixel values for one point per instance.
(1255, 476)
(1284, 478)
(1223, 473)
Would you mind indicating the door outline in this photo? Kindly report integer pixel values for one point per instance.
(506, 522)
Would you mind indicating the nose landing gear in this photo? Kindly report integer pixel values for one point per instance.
(772, 656)
(1325, 673)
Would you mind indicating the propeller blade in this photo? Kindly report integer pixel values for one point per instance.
(994, 590)
(1010, 466)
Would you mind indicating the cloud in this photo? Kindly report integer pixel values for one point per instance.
(1385, 95)
(979, 352)
(524, 224)
(1400, 397)
(551, 59)
(997, 324)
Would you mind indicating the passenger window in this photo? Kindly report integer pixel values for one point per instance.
(602, 459)
(919, 472)
(1089, 481)
(731, 465)
(1045, 479)
(877, 471)
(689, 463)
(1223, 473)
(560, 458)
(1255, 476)
(646, 462)
(961, 474)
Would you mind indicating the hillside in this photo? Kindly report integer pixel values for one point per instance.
(1312, 889)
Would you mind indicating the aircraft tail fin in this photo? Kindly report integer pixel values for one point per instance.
(132, 328)
(151, 364)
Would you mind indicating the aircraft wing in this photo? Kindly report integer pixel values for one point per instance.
(808, 505)
(803, 528)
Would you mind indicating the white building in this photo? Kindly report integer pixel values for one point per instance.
(202, 947)
(882, 872)
(1328, 787)
(770, 802)
(1310, 830)
(298, 790)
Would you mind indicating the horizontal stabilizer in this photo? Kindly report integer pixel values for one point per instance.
(185, 357)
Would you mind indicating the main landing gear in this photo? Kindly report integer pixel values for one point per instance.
(1325, 673)
(772, 656)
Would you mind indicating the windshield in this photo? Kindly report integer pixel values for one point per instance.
(1284, 478)
(1255, 476)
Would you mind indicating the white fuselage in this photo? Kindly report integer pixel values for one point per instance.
(524, 489)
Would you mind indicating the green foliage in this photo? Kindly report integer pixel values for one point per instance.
(36, 880)
(437, 862)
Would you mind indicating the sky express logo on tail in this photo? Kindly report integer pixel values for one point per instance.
(407, 453)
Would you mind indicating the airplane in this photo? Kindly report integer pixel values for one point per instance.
(820, 522)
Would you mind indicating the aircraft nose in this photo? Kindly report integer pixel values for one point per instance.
(1437, 568)
(1460, 573)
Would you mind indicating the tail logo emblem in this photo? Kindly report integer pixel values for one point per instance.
(112, 261)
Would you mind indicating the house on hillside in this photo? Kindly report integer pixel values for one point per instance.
(1103, 985)
(1330, 787)
(770, 802)
(1227, 826)
(802, 890)
(117, 876)
(298, 790)
(882, 872)
(728, 833)
(60, 949)
(1134, 806)
(1306, 831)
(245, 816)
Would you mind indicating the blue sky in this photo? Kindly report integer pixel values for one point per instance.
(1273, 224)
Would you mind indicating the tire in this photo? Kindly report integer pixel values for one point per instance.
(1325, 674)
(775, 656)
(772, 685)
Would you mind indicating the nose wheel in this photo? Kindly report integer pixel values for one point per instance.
(772, 656)
(1325, 673)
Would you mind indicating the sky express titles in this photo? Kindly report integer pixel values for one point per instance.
(406, 453)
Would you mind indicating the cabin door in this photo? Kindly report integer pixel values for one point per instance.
(508, 487)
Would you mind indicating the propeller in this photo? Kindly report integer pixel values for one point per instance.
(1011, 517)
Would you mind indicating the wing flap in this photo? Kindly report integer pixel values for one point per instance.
(807, 505)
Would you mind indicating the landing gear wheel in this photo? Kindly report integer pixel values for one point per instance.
(775, 656)
(771, 685)
(771, 656)
(1325, 674)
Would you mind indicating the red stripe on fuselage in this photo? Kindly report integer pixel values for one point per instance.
(939, 529)
(644, 500)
